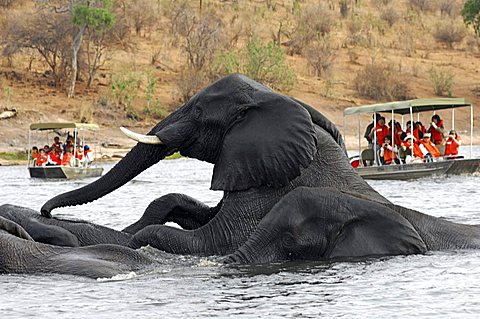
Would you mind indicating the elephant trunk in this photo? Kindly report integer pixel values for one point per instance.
(136, 161)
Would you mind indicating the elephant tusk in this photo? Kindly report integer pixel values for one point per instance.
(145, 139)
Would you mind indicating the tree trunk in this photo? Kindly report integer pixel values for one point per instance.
(74, 67)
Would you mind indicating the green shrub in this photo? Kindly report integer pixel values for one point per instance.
(471, 15)
(263, 62)
(442, 82)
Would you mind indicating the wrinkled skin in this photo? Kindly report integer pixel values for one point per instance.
(274, 156)
(19, 253)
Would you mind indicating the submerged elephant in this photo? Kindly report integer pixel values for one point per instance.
(20, 253)
(289, 190)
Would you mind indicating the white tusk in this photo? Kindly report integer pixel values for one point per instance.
(145, 139)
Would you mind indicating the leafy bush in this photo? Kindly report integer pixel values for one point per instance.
(442, 82)
(449, 33)
(123, 89)
(263, 62)
(381, 82)
(471, 15)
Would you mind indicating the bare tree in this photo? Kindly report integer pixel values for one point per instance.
(44, 32)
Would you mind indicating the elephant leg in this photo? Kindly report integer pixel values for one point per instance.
(325, 224)
(186, 211)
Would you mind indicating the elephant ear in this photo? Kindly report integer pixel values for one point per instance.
(268, 147)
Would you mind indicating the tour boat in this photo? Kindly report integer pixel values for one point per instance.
(442, 166)
(78, 131)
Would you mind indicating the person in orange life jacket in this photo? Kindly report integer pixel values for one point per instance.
(388, 153)
(408, 143)
(57, 145)
(67, 158)
(397, 131)
(429, 150)
(382, 131)
(34, 155)
(452, 144)
(415, 132)
(436, 129)
(79, 156)
(42, 158)
(369, 128)
(54, 157)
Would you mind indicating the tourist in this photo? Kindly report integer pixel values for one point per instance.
(428, 148)
(54, 156)
(409, 143)
(42, 158)
(34, 155)
(388, 152)
(369, 128)
(57, 145)
(436, 130)
(67, 158)
(452, 144)
(87, 153)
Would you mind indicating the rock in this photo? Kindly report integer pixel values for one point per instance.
(6, 114)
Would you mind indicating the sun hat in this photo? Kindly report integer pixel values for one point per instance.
(427, 135)
(409, 136)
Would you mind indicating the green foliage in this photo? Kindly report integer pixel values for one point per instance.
(442, 82)
(124, 87)
(14, 156)
(96, 18)
(263, 62)
(8, 93)
(471, 15)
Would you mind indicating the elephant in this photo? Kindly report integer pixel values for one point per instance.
(20, 253)
(289, 191)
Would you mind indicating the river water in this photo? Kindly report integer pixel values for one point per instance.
(437, 284)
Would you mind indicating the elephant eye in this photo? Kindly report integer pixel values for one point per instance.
(241, 115)
(198, 111)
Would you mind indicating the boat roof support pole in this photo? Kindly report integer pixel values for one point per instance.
(29, 148)
(471, 130)
(392, 138)
(453, 118)
(375, 138)
(412, 132)
(359, 139)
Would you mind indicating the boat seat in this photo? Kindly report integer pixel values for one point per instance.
(367, 156)
(441, 148)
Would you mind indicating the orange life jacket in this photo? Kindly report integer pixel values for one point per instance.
(431, 148)
(389, 156)
(55, 157)
(451, 148)
(437, 137)
(79, 156)
(417, 152)
(66, 159)
(382, 131)
(41, 159)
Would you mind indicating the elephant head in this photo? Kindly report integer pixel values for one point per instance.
(254, 137)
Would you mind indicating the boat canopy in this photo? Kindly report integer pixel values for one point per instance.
(403, 107)
(59, 125)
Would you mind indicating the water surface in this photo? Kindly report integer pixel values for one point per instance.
(437, 284)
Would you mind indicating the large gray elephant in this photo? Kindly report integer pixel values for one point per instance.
(20, 253)
(289, 190)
